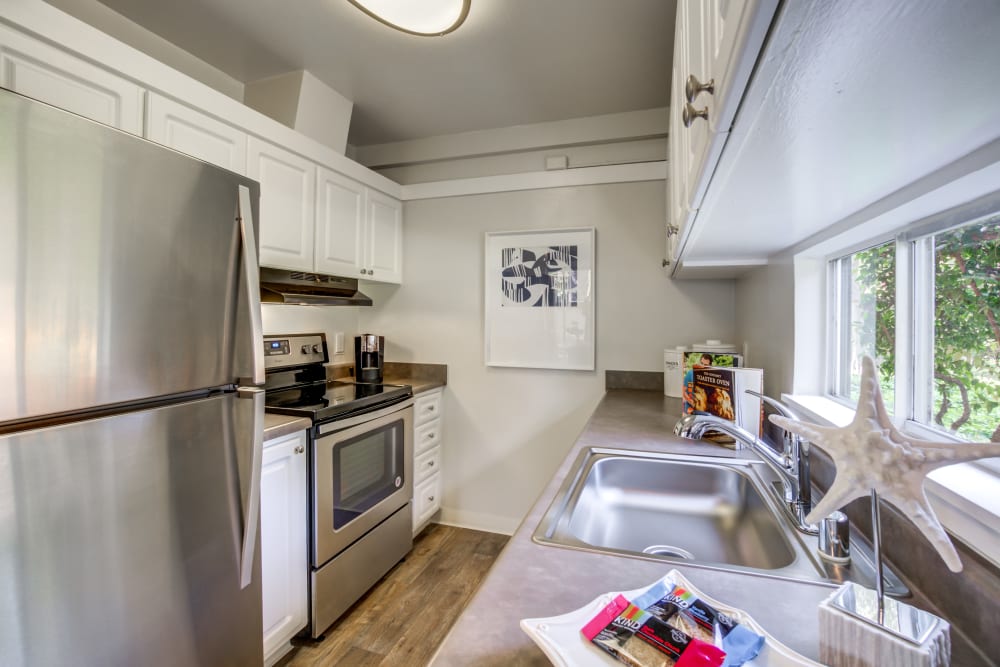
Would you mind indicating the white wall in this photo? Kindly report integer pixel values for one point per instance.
(506, 429)
(282, 319)
(765, 322)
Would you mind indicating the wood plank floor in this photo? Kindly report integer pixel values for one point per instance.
(403, 619)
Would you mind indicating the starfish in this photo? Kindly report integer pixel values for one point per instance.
(870, 453)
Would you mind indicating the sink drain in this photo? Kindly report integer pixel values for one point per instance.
(668, 550)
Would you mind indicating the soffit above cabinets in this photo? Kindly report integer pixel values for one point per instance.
(851, 102)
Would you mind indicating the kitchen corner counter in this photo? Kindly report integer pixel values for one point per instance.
(532, 580)
(276, 426)
(422, 377)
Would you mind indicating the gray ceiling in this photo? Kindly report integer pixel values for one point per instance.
(512, 62)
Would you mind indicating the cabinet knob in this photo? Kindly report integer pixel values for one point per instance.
(690, 113)
(694, 87)
(430, 464)
(300, 449)
(371, 272)
(672, 229)
(430, 499)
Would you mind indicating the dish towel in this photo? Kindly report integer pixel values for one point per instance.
(847, 641)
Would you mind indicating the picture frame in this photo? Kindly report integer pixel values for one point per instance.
(539, 298)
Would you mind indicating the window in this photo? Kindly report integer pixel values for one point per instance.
(926, 307)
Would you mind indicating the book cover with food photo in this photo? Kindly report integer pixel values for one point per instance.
(721, 392)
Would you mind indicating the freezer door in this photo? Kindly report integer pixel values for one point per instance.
(122, 272)
(122, 539)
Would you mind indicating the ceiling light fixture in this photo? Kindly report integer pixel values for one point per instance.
(428, 18)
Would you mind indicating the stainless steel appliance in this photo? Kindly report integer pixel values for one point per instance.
(130, 426)
(361, 471)
(369, 355)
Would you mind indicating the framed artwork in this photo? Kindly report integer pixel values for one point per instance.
(540, 299)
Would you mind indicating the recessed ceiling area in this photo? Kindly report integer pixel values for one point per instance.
(512, 62)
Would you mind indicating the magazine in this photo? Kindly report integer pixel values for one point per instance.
(711, 390)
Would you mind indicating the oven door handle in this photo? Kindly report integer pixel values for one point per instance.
(340, 424)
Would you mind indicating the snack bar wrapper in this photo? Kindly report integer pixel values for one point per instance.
(683, 610)
(637, 638)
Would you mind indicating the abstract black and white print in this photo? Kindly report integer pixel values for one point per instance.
(539, 276)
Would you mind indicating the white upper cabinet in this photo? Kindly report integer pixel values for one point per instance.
(359, 231)
(384, 252)
(197, 134)
(716, 43)
(45, 73)
(340, 225)
(287, 205)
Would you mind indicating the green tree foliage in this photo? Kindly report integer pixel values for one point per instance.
(967, 331)
(966, 382)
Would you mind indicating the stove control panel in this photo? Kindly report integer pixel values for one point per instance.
(294, 350)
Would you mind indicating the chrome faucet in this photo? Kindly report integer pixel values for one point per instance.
(791, 465)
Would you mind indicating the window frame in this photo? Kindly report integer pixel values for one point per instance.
(965, 496)
(915, 268)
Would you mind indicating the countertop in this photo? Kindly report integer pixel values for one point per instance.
(276, 426)
(532, 580)
(419, 384)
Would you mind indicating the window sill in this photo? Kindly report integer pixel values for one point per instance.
(965, 496)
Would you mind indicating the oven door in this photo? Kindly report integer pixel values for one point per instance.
(362, 473)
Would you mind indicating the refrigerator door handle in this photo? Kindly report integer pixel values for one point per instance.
(251, 512)
(251, 270)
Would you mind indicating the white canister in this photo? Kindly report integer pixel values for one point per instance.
(673, 371)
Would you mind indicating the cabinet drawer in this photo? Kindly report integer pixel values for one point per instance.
(426, 408)
(426, 499)
(426, 436)
(426, 464)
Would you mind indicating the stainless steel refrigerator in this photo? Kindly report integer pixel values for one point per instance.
(130, 417)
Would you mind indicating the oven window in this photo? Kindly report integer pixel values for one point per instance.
(366, 469)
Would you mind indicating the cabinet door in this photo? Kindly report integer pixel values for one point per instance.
(340, 225)
(45, 73)
(384, 253)
(287, 205)
(283, 542)
(196, 134)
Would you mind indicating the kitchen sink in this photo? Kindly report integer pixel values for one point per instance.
(704, 511)
(696, 511)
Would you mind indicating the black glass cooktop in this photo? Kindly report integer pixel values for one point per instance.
(324, 401)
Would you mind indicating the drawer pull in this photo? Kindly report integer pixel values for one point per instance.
(300, 449)
(431, 435)
(430, 408)
(430, 464)
(430, 499)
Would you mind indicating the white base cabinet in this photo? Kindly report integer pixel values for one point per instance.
(284, 521)
(426, 457)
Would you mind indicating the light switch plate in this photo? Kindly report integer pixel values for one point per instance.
(338, 342)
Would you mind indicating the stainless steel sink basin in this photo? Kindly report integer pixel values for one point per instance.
(697, 511)
(706, 511)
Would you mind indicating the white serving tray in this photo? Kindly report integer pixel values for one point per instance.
(560, 639)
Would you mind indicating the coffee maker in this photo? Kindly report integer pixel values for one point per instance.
(369, 351)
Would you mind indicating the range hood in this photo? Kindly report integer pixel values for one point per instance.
(309, 289)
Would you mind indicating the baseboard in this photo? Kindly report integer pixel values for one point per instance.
(490, 523)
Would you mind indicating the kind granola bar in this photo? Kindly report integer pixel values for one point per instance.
(682, 609)
(636, 638)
